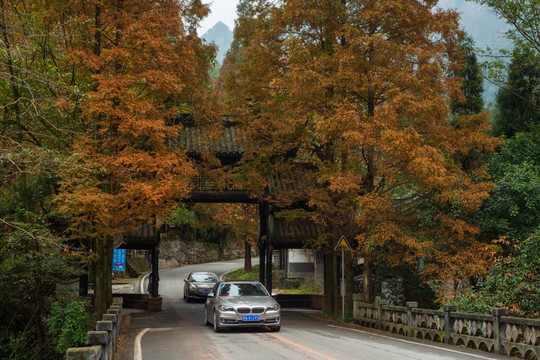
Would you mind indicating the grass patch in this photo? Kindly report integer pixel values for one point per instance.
(240, 274)
(309, 288)
(295, 286)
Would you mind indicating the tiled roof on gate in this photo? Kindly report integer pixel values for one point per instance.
(292, 234)
(195, 141)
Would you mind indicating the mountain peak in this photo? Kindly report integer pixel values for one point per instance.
(221, 36)
(220, 25)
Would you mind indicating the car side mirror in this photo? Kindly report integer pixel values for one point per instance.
(211, 295)
(274, 294)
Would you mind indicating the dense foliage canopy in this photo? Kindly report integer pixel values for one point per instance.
(360, 89)
(86, 91)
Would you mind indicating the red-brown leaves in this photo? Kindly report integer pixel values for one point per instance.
(142, 66)
(368, 84)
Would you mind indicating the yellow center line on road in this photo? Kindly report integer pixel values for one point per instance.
(302, 347)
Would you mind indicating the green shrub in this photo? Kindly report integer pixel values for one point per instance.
(68, 323)
(513, 283)
(18, 346)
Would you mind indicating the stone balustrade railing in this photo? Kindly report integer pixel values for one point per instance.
(102, 342)
(496, 333)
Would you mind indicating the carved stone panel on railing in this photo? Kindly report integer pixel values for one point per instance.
(395, 319)
(512, 333)
(496, 333)
(473, 331)
(531, 336)
(428, 324)
(521, 337)
(367, 315)
(487, 330)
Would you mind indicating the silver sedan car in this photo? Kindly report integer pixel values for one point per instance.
(197, 285)
(241, 304)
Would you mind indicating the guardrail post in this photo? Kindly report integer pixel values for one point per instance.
(498, 328)
(111, 347)
(380, 304)
(355, 300)
(84, 353)
(108, 327)
(410, 305)
(114, 310)
(448, 322)
(99, 338)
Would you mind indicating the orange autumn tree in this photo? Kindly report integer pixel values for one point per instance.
(144, 64)
(360, 89)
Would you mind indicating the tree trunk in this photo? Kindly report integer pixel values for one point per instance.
(368, 279)
(102, 275)
(247, 256)
(330, 283)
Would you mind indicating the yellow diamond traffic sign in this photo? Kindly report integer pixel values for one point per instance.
(342, 245)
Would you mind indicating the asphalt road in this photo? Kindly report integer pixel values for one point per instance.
(178, 333)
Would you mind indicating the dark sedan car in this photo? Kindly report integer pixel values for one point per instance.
(197, 285)
(241, 304)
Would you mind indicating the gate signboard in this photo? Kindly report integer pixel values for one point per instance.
(119, 260)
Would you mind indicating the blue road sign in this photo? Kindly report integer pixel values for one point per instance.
(119, 260)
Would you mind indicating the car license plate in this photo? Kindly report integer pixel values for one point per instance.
(251, 318)
(205, 294)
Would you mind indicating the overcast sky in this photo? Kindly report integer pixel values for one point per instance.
(220, 10)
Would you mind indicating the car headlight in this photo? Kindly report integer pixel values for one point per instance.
(273, 307)
(225, 308)
(193, 287)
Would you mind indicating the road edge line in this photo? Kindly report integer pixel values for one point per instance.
(411, 342)
(137, 350)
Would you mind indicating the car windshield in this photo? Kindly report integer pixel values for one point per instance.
(241, 289)
(207, 278)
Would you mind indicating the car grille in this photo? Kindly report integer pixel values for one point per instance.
(255, 310)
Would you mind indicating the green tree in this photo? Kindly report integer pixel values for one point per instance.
(510, 217)
(513, 282)
(40, 96)
(32, 261)
(518, 101)
(472, 86)
(512, 208)
(522, 15)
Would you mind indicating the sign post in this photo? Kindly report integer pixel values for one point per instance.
(342, 245)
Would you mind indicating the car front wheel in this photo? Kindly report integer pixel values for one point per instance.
(217, 328)
(275, 328)
(206, 322)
